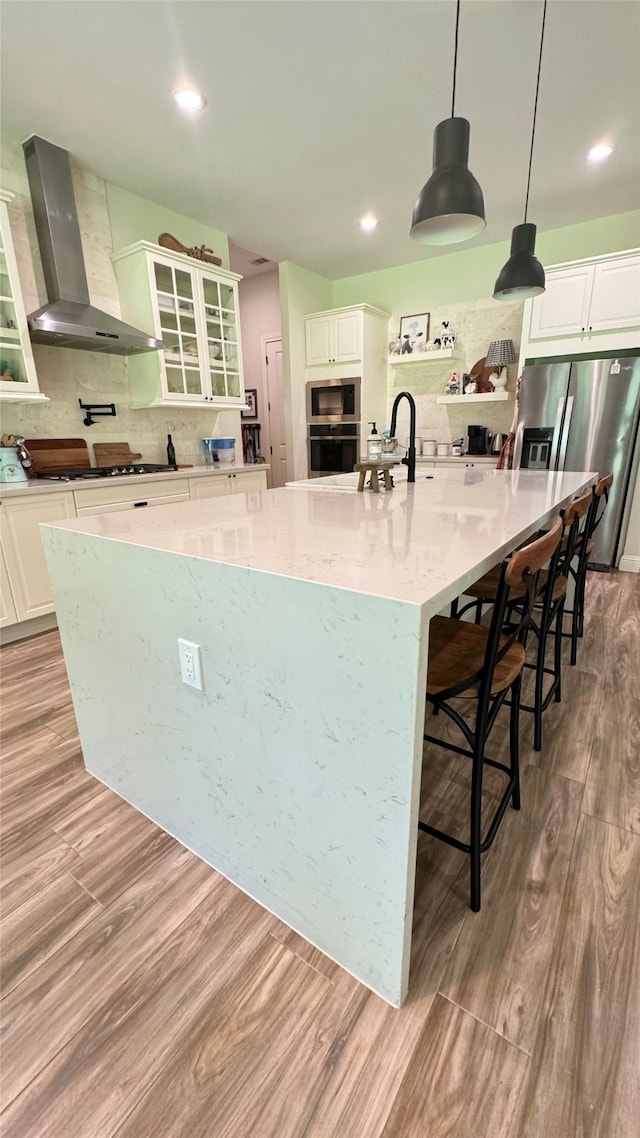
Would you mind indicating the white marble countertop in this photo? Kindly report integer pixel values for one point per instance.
(420, 544)
(42, 486)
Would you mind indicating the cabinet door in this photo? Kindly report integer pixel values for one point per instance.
(175, 291)
(17, 369)
(23, 549)
(221, 337)
(615, 301)
(215, 487)
(347, 337)
(8, 614)
(243, 482)
(563, 309)
(319, 340)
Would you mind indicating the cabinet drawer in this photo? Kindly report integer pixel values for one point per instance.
(140, 503)
(137, 491)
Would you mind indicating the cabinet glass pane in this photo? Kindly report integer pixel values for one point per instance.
(8, 329)
(193, 382)
(174, 381)
(5, 287)
(190, 352)
(233, 383)
(216, 355)
(231, 356)
(211, 294)
(217, 383)
(187, 323)
(183, 284)
(226, 296)
(164, 278)
(214, 327)
(12, 368)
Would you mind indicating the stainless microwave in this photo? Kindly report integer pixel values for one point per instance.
(333, 401)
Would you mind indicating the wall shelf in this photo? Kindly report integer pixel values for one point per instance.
(479, 397)
(426, 357)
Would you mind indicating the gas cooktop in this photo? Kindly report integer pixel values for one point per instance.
(80, 473)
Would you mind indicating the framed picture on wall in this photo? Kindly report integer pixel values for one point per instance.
(415, 329)
(251, 399)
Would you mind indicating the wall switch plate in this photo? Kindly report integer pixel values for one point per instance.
(190, 664)
(189, 448)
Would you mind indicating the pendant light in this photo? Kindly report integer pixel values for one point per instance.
(523, 276)
(450, 206)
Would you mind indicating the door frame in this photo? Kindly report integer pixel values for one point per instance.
(265, 340)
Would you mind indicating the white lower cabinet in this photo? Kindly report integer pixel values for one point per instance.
(219, 485)
(23, 552)
(8, 614)
(140, 503)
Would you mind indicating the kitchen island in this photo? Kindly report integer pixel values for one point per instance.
(296, 771)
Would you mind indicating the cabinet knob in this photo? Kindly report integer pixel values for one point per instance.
(583, 329)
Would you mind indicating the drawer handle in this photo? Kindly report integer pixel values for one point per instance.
(136, 505)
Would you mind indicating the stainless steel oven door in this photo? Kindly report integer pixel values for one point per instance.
(332, 450)
(333, 401)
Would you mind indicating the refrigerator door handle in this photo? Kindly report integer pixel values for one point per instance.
(563, 437)
(557, 435)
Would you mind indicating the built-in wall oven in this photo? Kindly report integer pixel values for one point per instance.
(333, 401)
(334, 448)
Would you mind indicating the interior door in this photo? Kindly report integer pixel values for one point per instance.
(604, 426)
(275, 413)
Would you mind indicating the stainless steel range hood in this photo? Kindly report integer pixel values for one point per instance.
(69, 320)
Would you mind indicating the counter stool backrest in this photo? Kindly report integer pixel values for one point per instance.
(599, 504)
(572, 519)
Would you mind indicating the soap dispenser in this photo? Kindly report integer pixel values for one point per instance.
(374, 442)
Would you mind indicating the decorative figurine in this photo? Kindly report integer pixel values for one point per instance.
(447, 337)
(453, 386)
(499, 381)
(406, 345)
(470, 389)
(395, 347)
(418, 343)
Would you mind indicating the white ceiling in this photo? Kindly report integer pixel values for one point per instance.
(320, 111)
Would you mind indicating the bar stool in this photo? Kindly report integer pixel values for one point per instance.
(546, 617)
(471, 661)
(580, 560)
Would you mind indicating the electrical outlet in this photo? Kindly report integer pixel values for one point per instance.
(190, 664)
(189, 448)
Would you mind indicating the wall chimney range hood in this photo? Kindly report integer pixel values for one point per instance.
(69, 320)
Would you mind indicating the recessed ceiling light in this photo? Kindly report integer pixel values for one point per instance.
(600, 152)
(368, 223)
(189, 100)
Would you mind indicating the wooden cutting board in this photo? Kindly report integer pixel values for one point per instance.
(57, 454)
(114, 454)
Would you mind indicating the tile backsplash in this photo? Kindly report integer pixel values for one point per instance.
(66, 375)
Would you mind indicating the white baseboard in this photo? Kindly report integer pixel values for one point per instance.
(629, 564)
(25, 628)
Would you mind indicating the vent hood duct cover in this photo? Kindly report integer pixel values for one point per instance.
(69, 320)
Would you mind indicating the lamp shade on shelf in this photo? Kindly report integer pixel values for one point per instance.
(450, 206)
(522, 276)
(501, 353)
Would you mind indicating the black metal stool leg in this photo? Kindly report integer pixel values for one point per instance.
(539, 690)
(557, 653)
(514, 741)
(475, 836)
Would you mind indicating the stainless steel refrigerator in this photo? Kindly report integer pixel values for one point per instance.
(583, 415)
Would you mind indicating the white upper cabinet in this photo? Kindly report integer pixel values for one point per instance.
(193, 308)
(589, 306)
(562, 310)
(334, 337)
(18, 379)
(615, 300)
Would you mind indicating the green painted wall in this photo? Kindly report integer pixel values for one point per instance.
(470, 274)
(134, 219)
(301, 292)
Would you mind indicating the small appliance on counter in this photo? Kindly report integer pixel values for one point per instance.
(220, 450)
(496, 442)
(478, 439)
(15, 459)
(457, 448)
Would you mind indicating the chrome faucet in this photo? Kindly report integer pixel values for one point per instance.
(409, 459)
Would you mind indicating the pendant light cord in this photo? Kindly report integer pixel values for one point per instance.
(455, 59)
(535, 105)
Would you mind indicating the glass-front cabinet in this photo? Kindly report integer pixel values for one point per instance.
(18, 379)
(193, 308)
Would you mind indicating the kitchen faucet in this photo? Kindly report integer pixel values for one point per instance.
(409, 459)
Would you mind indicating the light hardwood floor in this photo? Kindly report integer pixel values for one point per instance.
(143, 996)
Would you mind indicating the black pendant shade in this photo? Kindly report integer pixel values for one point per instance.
(450, 206)
(523, 275)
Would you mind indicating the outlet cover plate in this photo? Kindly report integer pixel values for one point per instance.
(190, 663)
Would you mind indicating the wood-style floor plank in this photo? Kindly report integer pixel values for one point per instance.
(463, 1080)
(584, 1077)
(613, 781)
(41, 925)
(504, 952)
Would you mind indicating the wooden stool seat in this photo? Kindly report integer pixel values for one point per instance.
(375, 468)
(457, 651)
(486, 588)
